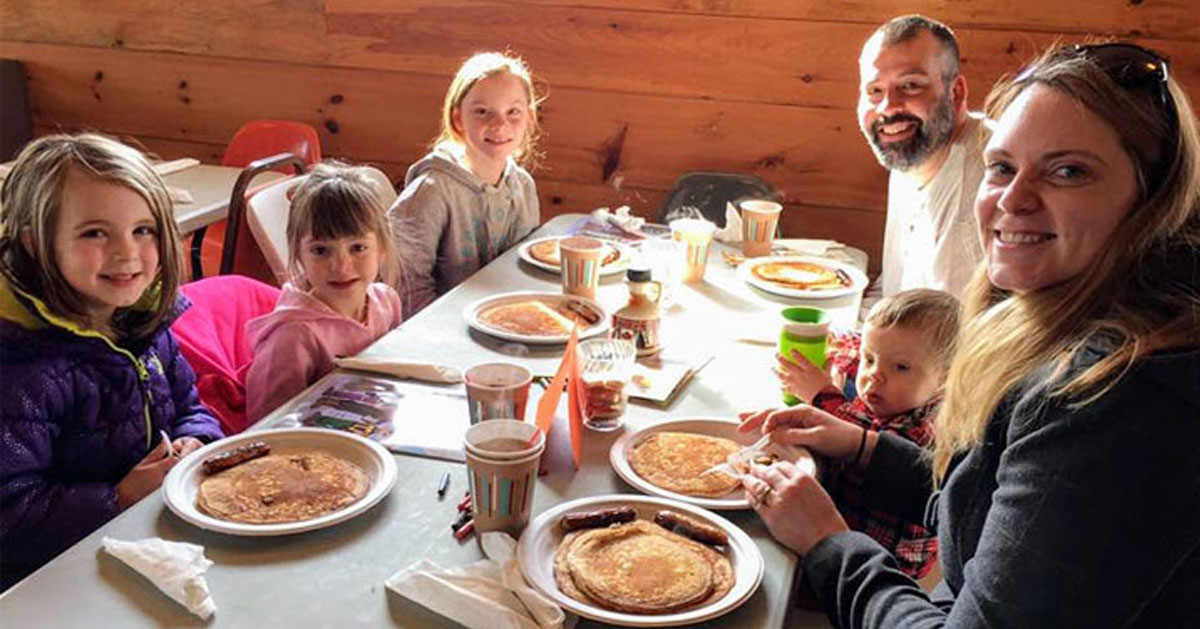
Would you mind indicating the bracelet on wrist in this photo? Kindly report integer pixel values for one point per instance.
(862, 446)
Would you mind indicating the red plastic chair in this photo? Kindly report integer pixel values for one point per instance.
(212, 337)
(263, 138)
(254, 140)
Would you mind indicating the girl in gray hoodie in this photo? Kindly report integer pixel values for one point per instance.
(468, 200)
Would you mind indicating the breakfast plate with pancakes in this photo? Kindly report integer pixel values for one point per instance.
(536, 318)
(640, 571)
(802, 276)
(544, 254)
(279, 482)
(673, 459)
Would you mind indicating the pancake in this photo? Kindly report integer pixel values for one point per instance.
(547, 251)
(676, 461)
(282, 488)
(640, 568)
(801, 275)
(531, 317)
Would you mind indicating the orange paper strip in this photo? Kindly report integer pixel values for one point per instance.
(549, 402)
(575, 393)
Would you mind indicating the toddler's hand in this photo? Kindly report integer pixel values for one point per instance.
(186, 445)
(145, 477)
(800, 377)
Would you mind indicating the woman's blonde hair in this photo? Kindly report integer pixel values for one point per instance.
(481, 66)
(339, 201)
(1137, 296)
(30, 202)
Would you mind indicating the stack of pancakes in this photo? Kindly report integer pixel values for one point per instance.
(640, 568)
(677, 461)
(547, 251)
(282, 488)
(801, 275)
(531, 317)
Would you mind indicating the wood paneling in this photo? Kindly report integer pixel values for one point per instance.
(757, 86)
(812, 155)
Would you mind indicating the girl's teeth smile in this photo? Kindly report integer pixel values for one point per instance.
(1022, 238)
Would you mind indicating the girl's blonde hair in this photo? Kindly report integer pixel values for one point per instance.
(1139, 295)
(339, 201)
(481, 66)
(29, 210)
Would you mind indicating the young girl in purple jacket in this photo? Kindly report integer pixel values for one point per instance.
(93, 380)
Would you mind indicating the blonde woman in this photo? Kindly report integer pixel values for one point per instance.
(1067, 451)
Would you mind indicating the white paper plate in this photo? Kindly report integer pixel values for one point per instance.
(858, 280)
(711, 426)
(471, 314)
(536, 548)
(616, 266)
(182, 482)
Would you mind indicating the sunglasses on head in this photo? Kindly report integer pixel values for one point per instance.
(1130, 66)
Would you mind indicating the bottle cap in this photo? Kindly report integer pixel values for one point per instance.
(638, 275)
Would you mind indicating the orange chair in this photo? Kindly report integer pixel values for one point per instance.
(254, 140)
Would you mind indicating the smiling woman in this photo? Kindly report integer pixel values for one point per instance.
(1070, 426)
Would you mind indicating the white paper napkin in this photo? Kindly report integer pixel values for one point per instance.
(424, 372)
(166, 168)
(488, 594)
(732, 231)
(621, 218)
(176, 568)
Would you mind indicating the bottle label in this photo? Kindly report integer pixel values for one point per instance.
(643, 333)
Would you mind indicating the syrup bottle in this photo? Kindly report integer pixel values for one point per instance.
(638, 322)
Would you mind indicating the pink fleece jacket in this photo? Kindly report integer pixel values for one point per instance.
(296, 343)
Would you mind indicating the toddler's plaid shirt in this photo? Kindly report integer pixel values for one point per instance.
(914, 545)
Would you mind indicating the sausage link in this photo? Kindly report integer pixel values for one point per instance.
(597, 519)
(689, 527)
(236, 456)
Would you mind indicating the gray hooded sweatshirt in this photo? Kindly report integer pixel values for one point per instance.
(448, 223)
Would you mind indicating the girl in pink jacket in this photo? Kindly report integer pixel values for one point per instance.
(338, 302)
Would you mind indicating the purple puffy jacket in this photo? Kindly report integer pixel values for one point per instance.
(76, 413)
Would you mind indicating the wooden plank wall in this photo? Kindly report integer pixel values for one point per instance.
(766, 87)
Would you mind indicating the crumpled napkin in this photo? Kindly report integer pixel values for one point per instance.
(740, 460)
(621, 218)
(488, 594)
(176, 568)
(424, 372)
(732, 231)
(179, 195)
(166, 168)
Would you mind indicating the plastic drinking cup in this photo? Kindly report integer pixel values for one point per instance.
(805, 329)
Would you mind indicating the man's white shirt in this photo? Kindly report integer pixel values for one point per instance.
(931, 239)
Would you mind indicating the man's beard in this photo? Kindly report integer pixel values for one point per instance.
(928, 136)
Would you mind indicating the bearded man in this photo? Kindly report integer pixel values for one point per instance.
(912, 108)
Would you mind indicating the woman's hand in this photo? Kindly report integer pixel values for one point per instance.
(146, 476)
(186, 445)
(800, 377)
(804, 425)
(793, 505)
